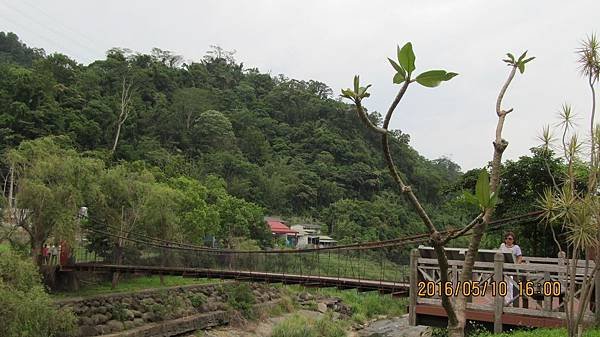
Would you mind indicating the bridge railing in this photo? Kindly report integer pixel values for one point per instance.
(535, 288)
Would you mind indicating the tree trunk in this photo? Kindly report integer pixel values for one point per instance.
(36, 250)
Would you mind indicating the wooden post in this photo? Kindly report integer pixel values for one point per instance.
(498, 300)
(596, 294)
(412, 314)
(562, 277)
(547, 306)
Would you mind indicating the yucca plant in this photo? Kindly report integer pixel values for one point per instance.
(577, 211)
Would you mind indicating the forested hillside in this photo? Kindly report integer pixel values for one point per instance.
(289, 146)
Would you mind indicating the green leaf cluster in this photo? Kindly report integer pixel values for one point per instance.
(406, 65)
(520, 62)
(358, 93)
(483, 198)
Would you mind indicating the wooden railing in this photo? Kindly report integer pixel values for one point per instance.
(534, 288)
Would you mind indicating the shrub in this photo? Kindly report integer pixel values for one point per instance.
(240, 297)
(197, 300)
(25, 308)
(119, 312)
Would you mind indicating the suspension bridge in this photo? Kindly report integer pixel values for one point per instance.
(369, 266)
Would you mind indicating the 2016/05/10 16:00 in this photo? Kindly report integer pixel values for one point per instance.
(476, 288)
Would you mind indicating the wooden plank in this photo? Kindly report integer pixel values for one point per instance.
(534, 312)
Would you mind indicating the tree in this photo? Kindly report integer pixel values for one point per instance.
(161, 217)
(486, 189)
(119, 210)
(190, 102)
(52, 181)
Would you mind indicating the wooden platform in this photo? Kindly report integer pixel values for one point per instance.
(512, 307)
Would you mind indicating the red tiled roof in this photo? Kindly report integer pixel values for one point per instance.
(278, 227)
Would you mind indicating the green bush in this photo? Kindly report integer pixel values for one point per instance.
(240, 297)
(119, 312)
(25, 308)
(197, 300)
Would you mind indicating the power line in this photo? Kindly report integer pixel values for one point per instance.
(50, 29)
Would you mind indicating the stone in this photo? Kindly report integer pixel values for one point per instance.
(148, 317)
(129, 314)
(87, 330)
(321, 307)
(129, 325)
(85, 321)
(115, 326)
(138, 322)
(99, 319)
(136, 313)
(103, 329)
(394, 327)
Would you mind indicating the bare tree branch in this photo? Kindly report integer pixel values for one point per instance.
(125, 109)
(462, 231)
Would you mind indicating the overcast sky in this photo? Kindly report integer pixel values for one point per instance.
(330, 41)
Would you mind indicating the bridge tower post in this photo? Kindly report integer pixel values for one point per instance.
(412, 309)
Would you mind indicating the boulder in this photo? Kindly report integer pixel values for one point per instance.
(115, 326)
(99, 319)
(87, 330)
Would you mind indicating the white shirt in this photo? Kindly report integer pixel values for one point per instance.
(515, 249)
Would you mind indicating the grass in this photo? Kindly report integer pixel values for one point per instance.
(299, 326)
(131, 284)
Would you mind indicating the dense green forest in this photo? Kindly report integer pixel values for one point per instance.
(278, 146)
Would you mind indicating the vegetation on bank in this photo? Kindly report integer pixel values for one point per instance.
(25, 307)
(299, 326)
(364, 305)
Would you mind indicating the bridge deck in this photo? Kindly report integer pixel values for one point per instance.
(394, 288)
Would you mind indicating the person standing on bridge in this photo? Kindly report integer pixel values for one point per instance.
(53, 255)
(510, 246)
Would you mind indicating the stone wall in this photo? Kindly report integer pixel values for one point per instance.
(105, 314)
